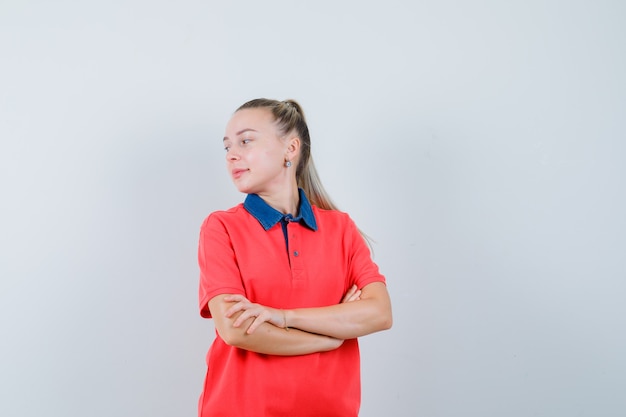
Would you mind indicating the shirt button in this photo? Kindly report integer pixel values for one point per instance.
(295, 253)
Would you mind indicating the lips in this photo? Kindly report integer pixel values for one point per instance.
(237, 172)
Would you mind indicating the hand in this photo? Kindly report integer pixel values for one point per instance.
(353, 294)
(249, 310)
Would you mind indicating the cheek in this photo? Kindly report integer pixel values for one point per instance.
(270, 159)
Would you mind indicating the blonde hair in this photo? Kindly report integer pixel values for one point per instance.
(289, 117)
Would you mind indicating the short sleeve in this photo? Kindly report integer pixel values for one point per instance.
(362, 270)
(219, 272)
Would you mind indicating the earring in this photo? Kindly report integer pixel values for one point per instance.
(287, 164)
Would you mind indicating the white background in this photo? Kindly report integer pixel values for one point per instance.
(481, 144)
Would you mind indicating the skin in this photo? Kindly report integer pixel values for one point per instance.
(255, 158)
(256, 153)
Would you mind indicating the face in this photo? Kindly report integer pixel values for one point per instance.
(255, 152)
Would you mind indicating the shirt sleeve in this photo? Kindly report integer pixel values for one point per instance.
(362, 270)
(219, 273)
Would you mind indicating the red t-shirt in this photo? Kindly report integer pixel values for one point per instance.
(238, 256)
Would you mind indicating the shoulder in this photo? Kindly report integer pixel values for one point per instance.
(232, 215)
(232, 221)
(336, 215)
(335, 219)
(228, 225)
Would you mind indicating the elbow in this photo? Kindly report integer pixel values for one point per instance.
(380, 314)
(388, 324)
(386, 321)
(378, 323)
(385, 318)
(231, 336)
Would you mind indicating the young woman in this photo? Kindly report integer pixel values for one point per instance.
(287, 278)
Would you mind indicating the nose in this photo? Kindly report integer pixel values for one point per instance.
(231, 155)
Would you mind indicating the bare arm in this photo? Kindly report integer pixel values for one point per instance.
(267, 339)
(361, 312)
(372, 313)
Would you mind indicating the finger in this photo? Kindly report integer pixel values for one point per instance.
(232, 310)
(253, 326)
(351, 291)
(240, 306)
(235, 298)
(260, 319)
(353, 294)
(247, 314)
(356, 296)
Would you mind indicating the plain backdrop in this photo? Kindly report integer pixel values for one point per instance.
(481, 144)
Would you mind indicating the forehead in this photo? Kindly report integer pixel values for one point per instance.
(258, 119)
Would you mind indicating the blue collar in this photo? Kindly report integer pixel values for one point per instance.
(268, 216)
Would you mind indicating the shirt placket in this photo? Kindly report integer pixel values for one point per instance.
(296, 259)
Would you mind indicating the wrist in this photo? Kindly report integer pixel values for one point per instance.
(288, 319)
(285, 325)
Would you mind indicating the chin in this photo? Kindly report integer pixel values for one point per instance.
(245, 189)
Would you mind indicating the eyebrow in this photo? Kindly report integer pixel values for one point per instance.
(240, 132)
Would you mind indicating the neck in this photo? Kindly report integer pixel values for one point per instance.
(286, 201)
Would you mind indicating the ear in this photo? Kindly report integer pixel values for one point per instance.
(293, 148)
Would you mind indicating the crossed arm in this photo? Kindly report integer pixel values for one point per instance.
(263, 329)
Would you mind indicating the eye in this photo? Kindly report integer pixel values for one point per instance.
(226, 148)
(245, 141)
